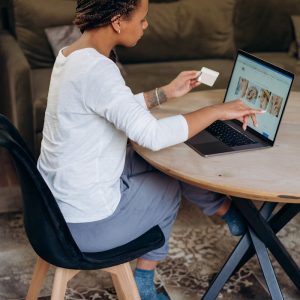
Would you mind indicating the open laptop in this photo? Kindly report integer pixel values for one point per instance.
(260, 85)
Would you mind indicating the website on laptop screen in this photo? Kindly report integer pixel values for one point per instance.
(260, 86)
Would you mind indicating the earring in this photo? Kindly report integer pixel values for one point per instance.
(119, 31)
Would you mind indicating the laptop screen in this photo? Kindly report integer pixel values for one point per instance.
(260, 85)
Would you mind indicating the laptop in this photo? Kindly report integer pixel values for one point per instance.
(260, 85)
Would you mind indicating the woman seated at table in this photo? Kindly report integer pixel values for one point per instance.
(106, 192)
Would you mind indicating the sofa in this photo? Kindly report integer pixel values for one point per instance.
(183, 34)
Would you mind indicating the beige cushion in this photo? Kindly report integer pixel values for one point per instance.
(32, 17)
(189, 29)
(61, 36)
(265, 25)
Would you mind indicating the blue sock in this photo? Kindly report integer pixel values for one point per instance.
(235, 221)
(145, 283)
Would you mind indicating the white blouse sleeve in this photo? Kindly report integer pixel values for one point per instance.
(141, 99)
(106, 94)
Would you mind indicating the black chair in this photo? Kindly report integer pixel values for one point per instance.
(6, 125)
(51, 239)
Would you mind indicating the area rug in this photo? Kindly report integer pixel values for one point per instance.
(198, 247)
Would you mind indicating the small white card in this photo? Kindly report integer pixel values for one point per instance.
(208, 76)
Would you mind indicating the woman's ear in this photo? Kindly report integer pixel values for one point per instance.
(116, 24)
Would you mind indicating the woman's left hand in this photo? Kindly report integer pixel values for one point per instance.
(182, 84)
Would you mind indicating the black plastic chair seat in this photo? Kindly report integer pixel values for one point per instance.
(152, 239)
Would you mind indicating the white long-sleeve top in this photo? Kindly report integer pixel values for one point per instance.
(90, 113)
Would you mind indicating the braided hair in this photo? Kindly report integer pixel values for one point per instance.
(97, 13)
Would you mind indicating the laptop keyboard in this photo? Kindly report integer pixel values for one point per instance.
(228, 135)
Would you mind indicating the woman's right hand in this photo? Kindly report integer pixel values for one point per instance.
(236, 109)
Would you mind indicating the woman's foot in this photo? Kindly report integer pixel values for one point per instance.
(235, 221)
(145, 283)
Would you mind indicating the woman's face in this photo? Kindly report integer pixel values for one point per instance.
(132, 28)
(252, 93)
(264, 98)
(276, 104)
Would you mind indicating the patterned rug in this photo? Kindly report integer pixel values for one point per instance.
(198, 247)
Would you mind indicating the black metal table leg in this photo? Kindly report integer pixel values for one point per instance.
(228, 268)
(276, 222)
(245, 250)
(266, 266)
(283, 216)
(241, 250)
(266, 234)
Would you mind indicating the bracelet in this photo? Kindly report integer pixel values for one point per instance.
(157, 97)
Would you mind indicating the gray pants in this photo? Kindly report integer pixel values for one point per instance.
(149, 197)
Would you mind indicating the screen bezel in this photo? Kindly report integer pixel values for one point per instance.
(275, 68)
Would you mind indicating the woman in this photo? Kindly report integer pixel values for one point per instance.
(106, 200)
(275, 105)
(264, 99)
(252, 94)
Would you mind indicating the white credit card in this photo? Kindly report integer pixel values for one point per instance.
(208, 76)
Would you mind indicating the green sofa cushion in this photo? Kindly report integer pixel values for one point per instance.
(265, 25)
(189, 29)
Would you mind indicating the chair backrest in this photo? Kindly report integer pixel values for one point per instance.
(6, 125)
(44, 223)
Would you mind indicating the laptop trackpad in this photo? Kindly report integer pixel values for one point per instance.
(212, 148)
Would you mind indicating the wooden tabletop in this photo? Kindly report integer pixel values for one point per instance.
(271, 174)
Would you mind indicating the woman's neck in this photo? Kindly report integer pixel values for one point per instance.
(101, 39)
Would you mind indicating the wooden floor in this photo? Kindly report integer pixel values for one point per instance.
(10, 197)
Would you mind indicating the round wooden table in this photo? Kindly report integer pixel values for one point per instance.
(271, 175)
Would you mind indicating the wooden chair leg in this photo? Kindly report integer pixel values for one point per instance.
(38, 277)
(124, 282)
(61, 278)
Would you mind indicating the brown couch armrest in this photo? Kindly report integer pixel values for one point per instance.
(15, 87)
